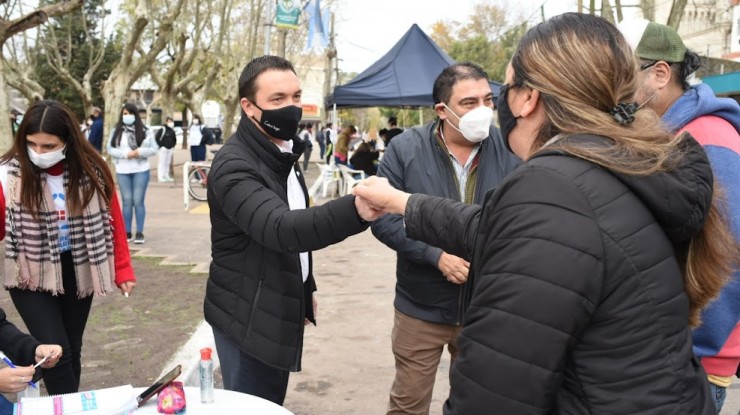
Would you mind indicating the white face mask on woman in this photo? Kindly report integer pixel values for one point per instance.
(48, 159)
(475, 125)
(128, 119)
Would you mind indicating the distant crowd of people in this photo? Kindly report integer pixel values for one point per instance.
(347, 146)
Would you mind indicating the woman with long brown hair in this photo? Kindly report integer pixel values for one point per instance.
(130, 146)
(584, 259)
(342, 147)
(64, 234)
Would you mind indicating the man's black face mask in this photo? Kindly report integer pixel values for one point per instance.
(282, 122)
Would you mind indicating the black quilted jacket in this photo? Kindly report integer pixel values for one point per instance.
(18, 346)
(577, 304)
(255, 293)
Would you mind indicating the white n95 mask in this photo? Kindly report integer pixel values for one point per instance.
(475, 125)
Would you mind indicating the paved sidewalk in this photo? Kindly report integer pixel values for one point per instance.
(347, 364)
(183, 237)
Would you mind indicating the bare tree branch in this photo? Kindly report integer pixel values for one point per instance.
(10, 27)
(37, 17)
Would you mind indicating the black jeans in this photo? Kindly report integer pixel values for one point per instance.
(58, 320)
(243, 373)
(306, 157)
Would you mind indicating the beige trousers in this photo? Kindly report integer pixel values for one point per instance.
(418, 347)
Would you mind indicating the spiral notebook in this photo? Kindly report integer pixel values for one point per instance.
(120, 400)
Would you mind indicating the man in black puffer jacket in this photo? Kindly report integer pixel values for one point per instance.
(260, 286)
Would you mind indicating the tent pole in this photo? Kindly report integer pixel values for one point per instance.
(334, 115)
(421, 116)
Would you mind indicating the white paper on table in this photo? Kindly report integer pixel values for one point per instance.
(120, 400)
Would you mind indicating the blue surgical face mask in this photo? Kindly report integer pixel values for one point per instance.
(128, 119)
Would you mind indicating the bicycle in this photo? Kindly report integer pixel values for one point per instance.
(198, 180)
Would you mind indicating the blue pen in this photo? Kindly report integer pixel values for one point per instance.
(9, 363)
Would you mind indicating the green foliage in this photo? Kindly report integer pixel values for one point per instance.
(377, 118)
(488, 39)
(476, 49)
(75, 44)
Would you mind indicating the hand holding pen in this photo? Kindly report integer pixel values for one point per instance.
(15, 379)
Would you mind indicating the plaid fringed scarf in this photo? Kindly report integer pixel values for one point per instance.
(32, 256)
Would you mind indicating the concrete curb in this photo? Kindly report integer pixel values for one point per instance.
(189, 355)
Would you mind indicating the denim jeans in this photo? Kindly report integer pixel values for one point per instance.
(6, 407)
(718, 394)
(243, 373)
(198, 153)
(133, 189)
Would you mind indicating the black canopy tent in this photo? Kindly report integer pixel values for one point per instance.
(403, 77)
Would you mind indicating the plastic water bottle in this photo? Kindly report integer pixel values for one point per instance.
(206, 375)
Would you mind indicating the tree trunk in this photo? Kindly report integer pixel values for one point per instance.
(648, 9)
(114, 95)
(674, 19)
(618, 6)
(230, 117)
(167, 104)
(6, 139)
(606, 11)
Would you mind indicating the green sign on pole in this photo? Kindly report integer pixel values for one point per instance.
(287, 14)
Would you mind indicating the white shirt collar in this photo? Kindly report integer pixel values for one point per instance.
(286, 146)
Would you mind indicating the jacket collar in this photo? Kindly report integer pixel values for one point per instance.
(679, 198)
(265, 149)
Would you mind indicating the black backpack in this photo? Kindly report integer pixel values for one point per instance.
(165, 137)
(207, 136)
(158, 136)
